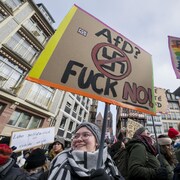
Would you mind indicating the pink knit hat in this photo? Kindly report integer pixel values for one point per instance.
(173, 133)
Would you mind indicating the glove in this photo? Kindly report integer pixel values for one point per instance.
(161, 174)
(99, 174)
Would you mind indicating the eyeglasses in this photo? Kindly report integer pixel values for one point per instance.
(84, 136)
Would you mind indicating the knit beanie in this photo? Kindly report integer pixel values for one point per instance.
(139, 131)
(36, 159)
(93, 128)
(164, 140)
(172, 133)
(5, 153)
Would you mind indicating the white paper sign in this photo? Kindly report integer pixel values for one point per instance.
(32, 138)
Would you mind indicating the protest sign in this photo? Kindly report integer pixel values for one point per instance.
(132, 126)
(89, 58)
(161, 100)
(32, 138)
(174, 48)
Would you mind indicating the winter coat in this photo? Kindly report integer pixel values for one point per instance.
(177, 172)
(35, 176)
(9, 172)
(169, 168)
(142, 164)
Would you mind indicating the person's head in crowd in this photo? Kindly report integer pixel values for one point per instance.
(5, 140)
(5, 153)
(35, 160)
(86, 137)
(164, 140)
(165, 143)
(58, 145)
(82, 157)
(173, 133)
(142, 131)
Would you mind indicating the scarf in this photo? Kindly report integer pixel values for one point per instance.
(147, 141)
(81, 163)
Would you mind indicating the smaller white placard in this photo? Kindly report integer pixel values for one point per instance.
(32, 138)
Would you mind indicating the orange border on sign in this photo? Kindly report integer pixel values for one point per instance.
(93, 96)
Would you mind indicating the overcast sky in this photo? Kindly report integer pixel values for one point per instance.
(146, 23)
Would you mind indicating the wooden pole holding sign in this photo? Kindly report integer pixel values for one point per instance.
(101, 147)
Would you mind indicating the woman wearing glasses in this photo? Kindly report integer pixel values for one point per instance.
(79, 162)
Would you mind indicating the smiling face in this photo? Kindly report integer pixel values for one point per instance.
(84, 140)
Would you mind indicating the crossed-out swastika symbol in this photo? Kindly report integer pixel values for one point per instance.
(109, 71)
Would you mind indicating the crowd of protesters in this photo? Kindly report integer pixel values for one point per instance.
(141, 157)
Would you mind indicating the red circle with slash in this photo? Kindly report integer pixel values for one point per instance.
(99, 63)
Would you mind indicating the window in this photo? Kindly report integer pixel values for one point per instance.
(75, 107)
(173, 97)
(12, 4)
(37, 32)
(175, 125)
(2, 106)
(80, 111)
(166, 127)
(83, 100)
(177, 115)
(158, 129)
(78, 97)
(70, 126)
(85, 114)
(175, 106)
(24, 120)
(168, 116)
(163, 116)
(63, 122)
(40, 95)
(168, 96)
(170, 124)
(171, 105)
(10, 74)
(68, 107)
(3, 15)
(22, 47)
(173, 115)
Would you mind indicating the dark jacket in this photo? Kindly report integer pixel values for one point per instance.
(142, 164)
(169, 168)
(177, 172)
(9, 172)
(36, 176)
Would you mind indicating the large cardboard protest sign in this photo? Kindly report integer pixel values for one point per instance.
(89, 58)
(161, 100)
(32, 138)
(174, 48)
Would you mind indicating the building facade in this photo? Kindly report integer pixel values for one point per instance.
(123, 114)
(162, 121)
(25, 29)
(109, 124)
(172, 118)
